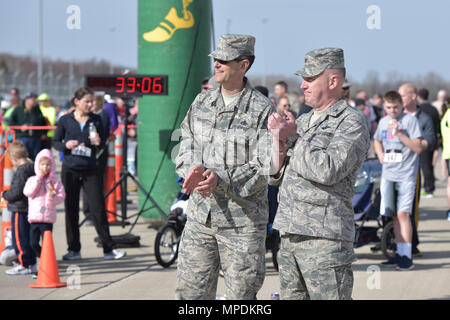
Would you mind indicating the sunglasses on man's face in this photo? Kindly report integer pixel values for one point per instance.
(227, 62)
(222, 61)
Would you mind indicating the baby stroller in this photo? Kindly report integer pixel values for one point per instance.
(366, 204)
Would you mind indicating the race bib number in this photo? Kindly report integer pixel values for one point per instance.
(82, 151)
(393, 156)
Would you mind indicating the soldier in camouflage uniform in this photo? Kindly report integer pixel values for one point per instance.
(315, 214)
(223, 162)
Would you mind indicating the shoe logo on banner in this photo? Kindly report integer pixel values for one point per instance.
(171, 23)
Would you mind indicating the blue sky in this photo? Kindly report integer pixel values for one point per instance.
(412, 39)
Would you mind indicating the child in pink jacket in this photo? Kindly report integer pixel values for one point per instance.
(44, 192)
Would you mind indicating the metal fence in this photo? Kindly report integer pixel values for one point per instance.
(60, 87)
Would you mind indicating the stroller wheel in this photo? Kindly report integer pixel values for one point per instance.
(388, 245)
(166, 245)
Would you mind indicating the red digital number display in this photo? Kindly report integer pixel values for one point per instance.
(133, 85)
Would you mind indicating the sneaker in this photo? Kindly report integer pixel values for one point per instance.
(114, 255)
(426, 195)
(34, 270)
(18, 270)
(89, 222)
(72, 255)
(8, 256)
(392, 262)
(405, 264)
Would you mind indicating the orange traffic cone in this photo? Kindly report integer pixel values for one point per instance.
(110, 202)
(48, 275)
(6, 214)
(2, 151)
(118, 161)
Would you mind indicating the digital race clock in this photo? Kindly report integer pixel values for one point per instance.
(129, 85)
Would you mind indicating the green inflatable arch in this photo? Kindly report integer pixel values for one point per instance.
(174, 39)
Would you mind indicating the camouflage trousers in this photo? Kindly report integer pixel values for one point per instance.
(240, 252)
(315, 268)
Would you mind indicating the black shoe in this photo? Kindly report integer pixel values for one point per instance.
(405, 264)
(416, 253)
(392, 262)
(72, 255)
(376, 248)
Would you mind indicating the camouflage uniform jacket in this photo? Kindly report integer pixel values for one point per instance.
(317, 187)
(221, 138)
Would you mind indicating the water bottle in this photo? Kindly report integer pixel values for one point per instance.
(92, 130)
(275, 296)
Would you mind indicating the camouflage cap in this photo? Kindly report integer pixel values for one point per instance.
(232, 46)
(316, 61)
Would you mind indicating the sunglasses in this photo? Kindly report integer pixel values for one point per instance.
(227, 62)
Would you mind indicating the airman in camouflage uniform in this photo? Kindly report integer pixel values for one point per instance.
(224, 154)
(315, 214)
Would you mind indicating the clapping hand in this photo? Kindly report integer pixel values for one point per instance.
(194, 177)
(282, 127)
(206, 187)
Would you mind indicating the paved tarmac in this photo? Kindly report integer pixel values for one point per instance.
(139, 277)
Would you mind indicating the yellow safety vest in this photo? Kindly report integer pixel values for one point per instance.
(445, 131)
(49, 113)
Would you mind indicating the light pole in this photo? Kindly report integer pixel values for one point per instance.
(263, 22)
(40, 47)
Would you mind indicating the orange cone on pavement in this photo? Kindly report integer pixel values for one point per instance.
(2, 151)
(110, 201)
(48, 274)
(118, 161)
(6, 214)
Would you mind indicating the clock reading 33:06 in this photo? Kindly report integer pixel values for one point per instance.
(133, 85)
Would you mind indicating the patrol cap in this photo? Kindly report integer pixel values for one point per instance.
(317, 60)
(232, 46)
(43, 96)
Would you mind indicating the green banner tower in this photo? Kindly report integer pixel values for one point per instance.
(174, 40)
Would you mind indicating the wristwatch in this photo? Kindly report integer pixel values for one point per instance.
(290, 142)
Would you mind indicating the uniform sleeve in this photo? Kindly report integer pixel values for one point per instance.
(330, 165)
(249, 178)
(189, 153)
